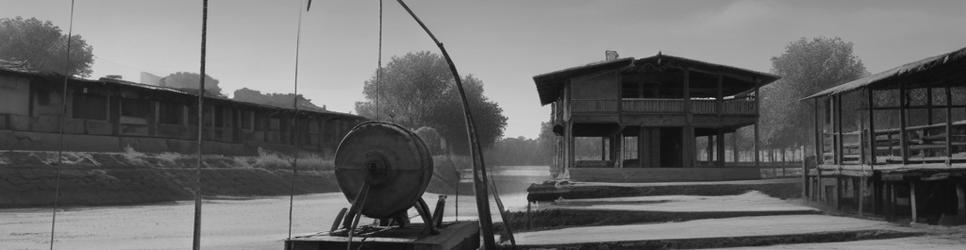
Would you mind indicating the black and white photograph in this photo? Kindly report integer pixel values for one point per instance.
(458, 124)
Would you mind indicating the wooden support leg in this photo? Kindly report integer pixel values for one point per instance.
(860, 194)
(912, 201)
(960, 200)
(838, 192)
(892, 201)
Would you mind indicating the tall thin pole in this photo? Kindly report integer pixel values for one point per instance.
(196, 237)
(379, 61)
(63, 114)
(295, 119)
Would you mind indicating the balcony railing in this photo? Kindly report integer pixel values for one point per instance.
(698, 106)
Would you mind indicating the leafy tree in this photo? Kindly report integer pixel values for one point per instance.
(41, 46)
(807, 66)
(188, 81)
(417, 90)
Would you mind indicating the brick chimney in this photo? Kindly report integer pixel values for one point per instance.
(610, 55)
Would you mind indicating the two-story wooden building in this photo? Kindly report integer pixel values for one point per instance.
(648, 114)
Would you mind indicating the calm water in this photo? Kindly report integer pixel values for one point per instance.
(260, 223)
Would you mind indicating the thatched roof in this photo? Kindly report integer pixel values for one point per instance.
(954, 61)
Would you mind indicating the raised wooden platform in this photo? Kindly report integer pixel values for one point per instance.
(639, 175)
(458, 235)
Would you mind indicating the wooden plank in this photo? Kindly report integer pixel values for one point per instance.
(757, 132)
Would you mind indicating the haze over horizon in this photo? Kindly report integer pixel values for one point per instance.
(504, 43)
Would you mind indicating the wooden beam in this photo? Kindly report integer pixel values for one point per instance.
(710, 148)
(860, 195)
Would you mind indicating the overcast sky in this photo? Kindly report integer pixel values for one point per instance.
(504, 43)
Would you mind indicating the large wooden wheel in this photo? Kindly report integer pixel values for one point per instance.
(391, 160)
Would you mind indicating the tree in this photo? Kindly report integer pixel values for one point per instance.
(807, 66)
(417, 90)
(41, 46)
(188, 81)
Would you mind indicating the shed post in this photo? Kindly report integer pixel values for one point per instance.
(912, 201)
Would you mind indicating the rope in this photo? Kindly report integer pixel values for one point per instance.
(63, 113)
(379, 61)
(196, 237)
(295, 106)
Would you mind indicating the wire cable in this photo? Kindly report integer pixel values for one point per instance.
(63, 113)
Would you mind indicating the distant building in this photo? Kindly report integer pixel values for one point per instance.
(111, 114)
(894, 143)
(648, 114)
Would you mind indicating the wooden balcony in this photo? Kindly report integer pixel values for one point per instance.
(671, 106)
(662, 112)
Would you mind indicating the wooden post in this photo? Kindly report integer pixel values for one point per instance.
(735, 153)
(568, 148)
(818, 133)
(710, 149)
(757, 118)
(912, 201)
(805, 184)
(838, 192)
(720, 147)
(960, 199)
(903, 102)
(949, 126)
(688, 145)
(643, 147)
(872, 144)
(860, 193)
(603, 148)
(839, 150)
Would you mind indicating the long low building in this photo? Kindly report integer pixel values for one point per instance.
(112, 115)
(894, 143)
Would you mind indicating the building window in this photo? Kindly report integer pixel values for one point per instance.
(90, 106)
(170, 113)
(135, 107)
(246, 119)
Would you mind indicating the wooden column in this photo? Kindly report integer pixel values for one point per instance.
(720, 146)
(614, 148)
(688, 145)
(819, 136)
(872, 144)
(757, 121)
(839, 157)
(859, 189)
(949, 125)
(912, 201)
(568, 148)
(960, 200)
(603, 148)
(643, 147)
(620, 148)
(805, 181)
(735, 153)
(710, 149)
(903, 103)
(838, 192)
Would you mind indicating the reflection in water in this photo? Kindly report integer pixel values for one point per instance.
(259, 223)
